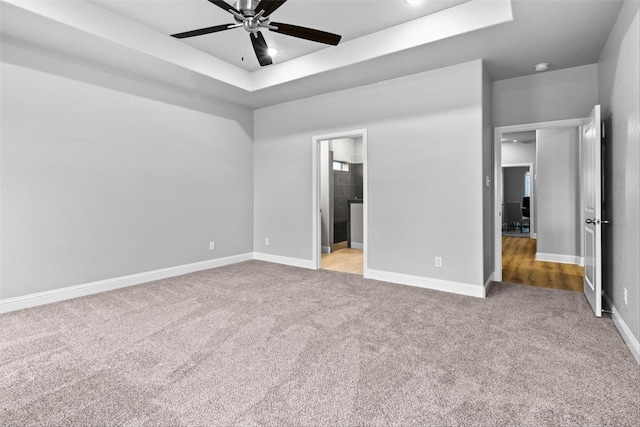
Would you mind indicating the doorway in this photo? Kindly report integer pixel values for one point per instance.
(340, 201)
(518, 203)
(546, 177)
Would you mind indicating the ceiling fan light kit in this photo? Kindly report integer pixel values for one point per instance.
(543, 66)
(254, 15)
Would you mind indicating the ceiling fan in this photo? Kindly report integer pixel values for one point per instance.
(253, 15)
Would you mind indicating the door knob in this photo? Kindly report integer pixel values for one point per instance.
(597, 221)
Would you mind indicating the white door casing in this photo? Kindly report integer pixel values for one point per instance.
(592, 185)
(316, 252)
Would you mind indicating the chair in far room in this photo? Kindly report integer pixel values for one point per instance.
(526, 204)
(515, 218)
(526, 215)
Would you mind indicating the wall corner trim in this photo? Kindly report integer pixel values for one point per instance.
(488, 284)
(277, 259)
(623, 328)
(56, 295)
(427, 283)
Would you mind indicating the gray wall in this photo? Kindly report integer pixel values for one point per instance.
(514, 153)
(620, 98)
(554, 95)
(558, 192)
(434, 116)
(514, 178)
(99, 183)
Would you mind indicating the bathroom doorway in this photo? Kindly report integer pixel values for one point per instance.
(340, 202)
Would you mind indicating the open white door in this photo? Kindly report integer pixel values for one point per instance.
(592, 175)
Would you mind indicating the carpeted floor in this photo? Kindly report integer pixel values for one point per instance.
(263, 344)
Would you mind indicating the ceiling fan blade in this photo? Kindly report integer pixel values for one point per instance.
(269, 6)
(261, 49)
(306, 33)
(226, 6)
(207, 30)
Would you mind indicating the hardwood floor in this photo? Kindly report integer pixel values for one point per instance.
(519, 266)
(343, 259)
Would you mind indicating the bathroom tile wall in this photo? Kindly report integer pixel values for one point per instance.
(346, 185)
(357, 175)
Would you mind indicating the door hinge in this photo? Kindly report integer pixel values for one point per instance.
(604, 133)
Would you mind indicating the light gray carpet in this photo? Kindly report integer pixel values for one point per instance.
(262, 344)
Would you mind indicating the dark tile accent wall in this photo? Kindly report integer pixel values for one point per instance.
(346, 185)
(357, 174)
(341, 192)
(340, 232)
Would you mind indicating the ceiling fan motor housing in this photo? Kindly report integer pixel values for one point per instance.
(247, 7)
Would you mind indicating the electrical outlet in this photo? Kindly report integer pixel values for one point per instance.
(266, 241)
(212, 246)
(625, 295)
(439, 261)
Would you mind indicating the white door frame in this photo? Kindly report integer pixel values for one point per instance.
(497, 178)
(316, 240)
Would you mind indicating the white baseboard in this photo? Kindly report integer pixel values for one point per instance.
(357, 245)
(277, 259)
(55, 295)
(559, 258)
(623, 328)
(428, 283)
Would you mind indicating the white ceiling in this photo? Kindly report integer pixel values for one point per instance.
(349, 18)
(382, 39)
